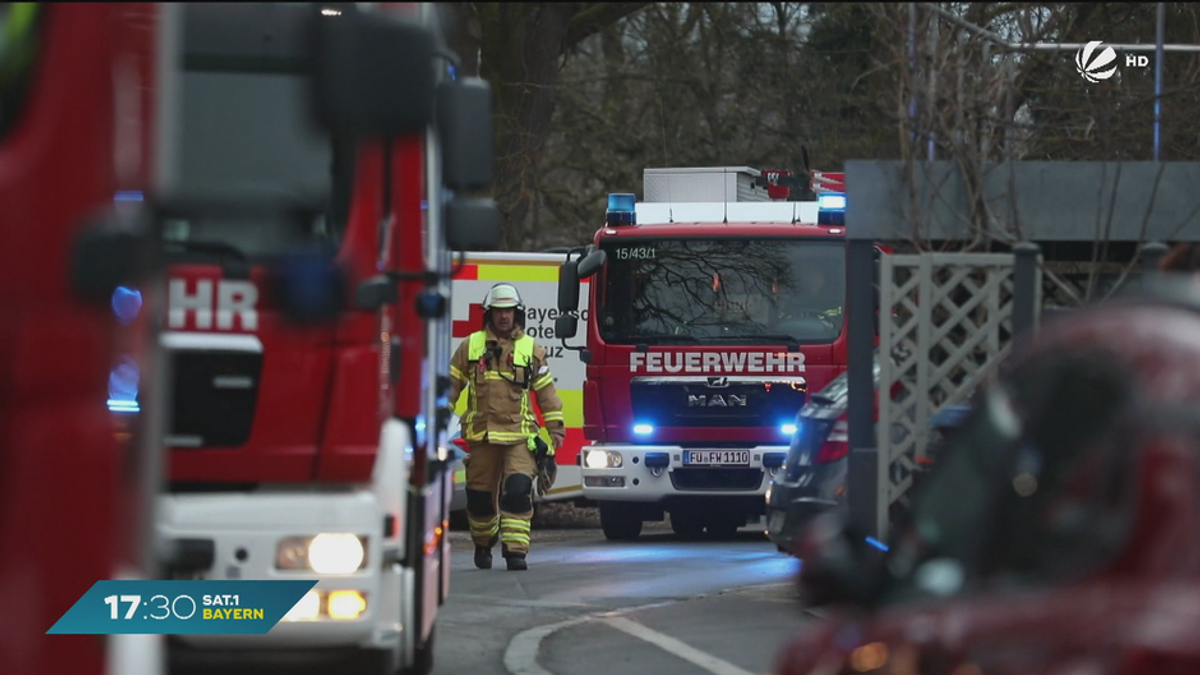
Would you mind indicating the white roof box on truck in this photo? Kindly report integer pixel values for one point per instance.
(702, 184)
(716, 212)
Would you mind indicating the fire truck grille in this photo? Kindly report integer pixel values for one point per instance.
(729, 403)
(716, 479)
(215, 398)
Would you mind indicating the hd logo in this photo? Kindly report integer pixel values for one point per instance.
(1096, 61)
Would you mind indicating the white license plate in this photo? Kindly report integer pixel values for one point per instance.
(716, 458)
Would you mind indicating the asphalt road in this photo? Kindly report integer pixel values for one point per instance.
(588, 606)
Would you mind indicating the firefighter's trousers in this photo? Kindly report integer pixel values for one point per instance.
(500, 494)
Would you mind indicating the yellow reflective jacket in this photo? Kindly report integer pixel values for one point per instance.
(499, 408)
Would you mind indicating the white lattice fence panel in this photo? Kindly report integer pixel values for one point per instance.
(946, 320)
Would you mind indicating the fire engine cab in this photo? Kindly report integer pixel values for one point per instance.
(715, 308)
(308, 328)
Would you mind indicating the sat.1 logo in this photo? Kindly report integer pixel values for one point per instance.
(1096, 61)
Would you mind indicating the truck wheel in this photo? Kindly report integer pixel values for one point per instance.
(619, 522)
(423, 660)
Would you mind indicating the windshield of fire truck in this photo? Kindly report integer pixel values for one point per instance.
(244, 129)
(722, 289)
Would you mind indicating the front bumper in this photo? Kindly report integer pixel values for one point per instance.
(668, 476)
(791, 505)
(245, 531)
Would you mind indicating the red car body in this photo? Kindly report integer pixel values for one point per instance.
(1132, 608)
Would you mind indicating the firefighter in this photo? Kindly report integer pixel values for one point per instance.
(502, 369)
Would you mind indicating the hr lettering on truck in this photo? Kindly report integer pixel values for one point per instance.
(234, 299)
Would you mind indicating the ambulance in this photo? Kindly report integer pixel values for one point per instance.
(536, 277)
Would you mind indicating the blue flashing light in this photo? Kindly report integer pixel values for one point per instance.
(621, 209)
(831, 201)
(118, 405)
(788, 429)
(831, 209)
(643, 429)
(123, 384)
(452, 72)
(877, 544)
(126, 303)
(128, 196)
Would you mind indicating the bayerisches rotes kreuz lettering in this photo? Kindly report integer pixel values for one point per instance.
(711, 362)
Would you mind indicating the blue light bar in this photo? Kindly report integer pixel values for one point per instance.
(877, 544)
(643, 429)
(116, 405)
(831, 201)
(621, 209)
(128, 196)
(787, 429)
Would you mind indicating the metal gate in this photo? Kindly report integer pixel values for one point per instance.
(946, 321)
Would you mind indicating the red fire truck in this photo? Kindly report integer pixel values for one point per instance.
(317, 451)
(75, 498)
(710, 322)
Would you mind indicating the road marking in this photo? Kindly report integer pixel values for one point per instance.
(670, 645)
(520, 658)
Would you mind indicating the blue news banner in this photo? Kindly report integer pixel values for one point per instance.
(181, 607)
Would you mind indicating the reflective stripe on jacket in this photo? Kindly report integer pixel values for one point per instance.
(499, 407)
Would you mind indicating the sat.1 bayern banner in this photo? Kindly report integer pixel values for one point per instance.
(181, 607)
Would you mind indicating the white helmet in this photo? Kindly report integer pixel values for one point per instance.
(503, 296)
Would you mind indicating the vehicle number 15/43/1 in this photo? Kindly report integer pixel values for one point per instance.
(636, 253)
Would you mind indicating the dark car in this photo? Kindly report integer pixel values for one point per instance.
(814, 474)
(813, 479)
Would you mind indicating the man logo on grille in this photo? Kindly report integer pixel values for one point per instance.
(1096, 66)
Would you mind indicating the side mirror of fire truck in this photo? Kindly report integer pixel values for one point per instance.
(464, 119)
(566, 327)
(472, 224)
(372, 74)
(568, 287)
(592, 262)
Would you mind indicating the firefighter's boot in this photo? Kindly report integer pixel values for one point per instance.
(515, 560)
(483, 557)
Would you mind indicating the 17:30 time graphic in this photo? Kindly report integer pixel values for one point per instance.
(167, 607)
(181, 607)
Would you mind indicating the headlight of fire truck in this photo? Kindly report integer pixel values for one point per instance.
(325, 553)
(602, 459)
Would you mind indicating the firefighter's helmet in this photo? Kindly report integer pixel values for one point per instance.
(503, 296)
